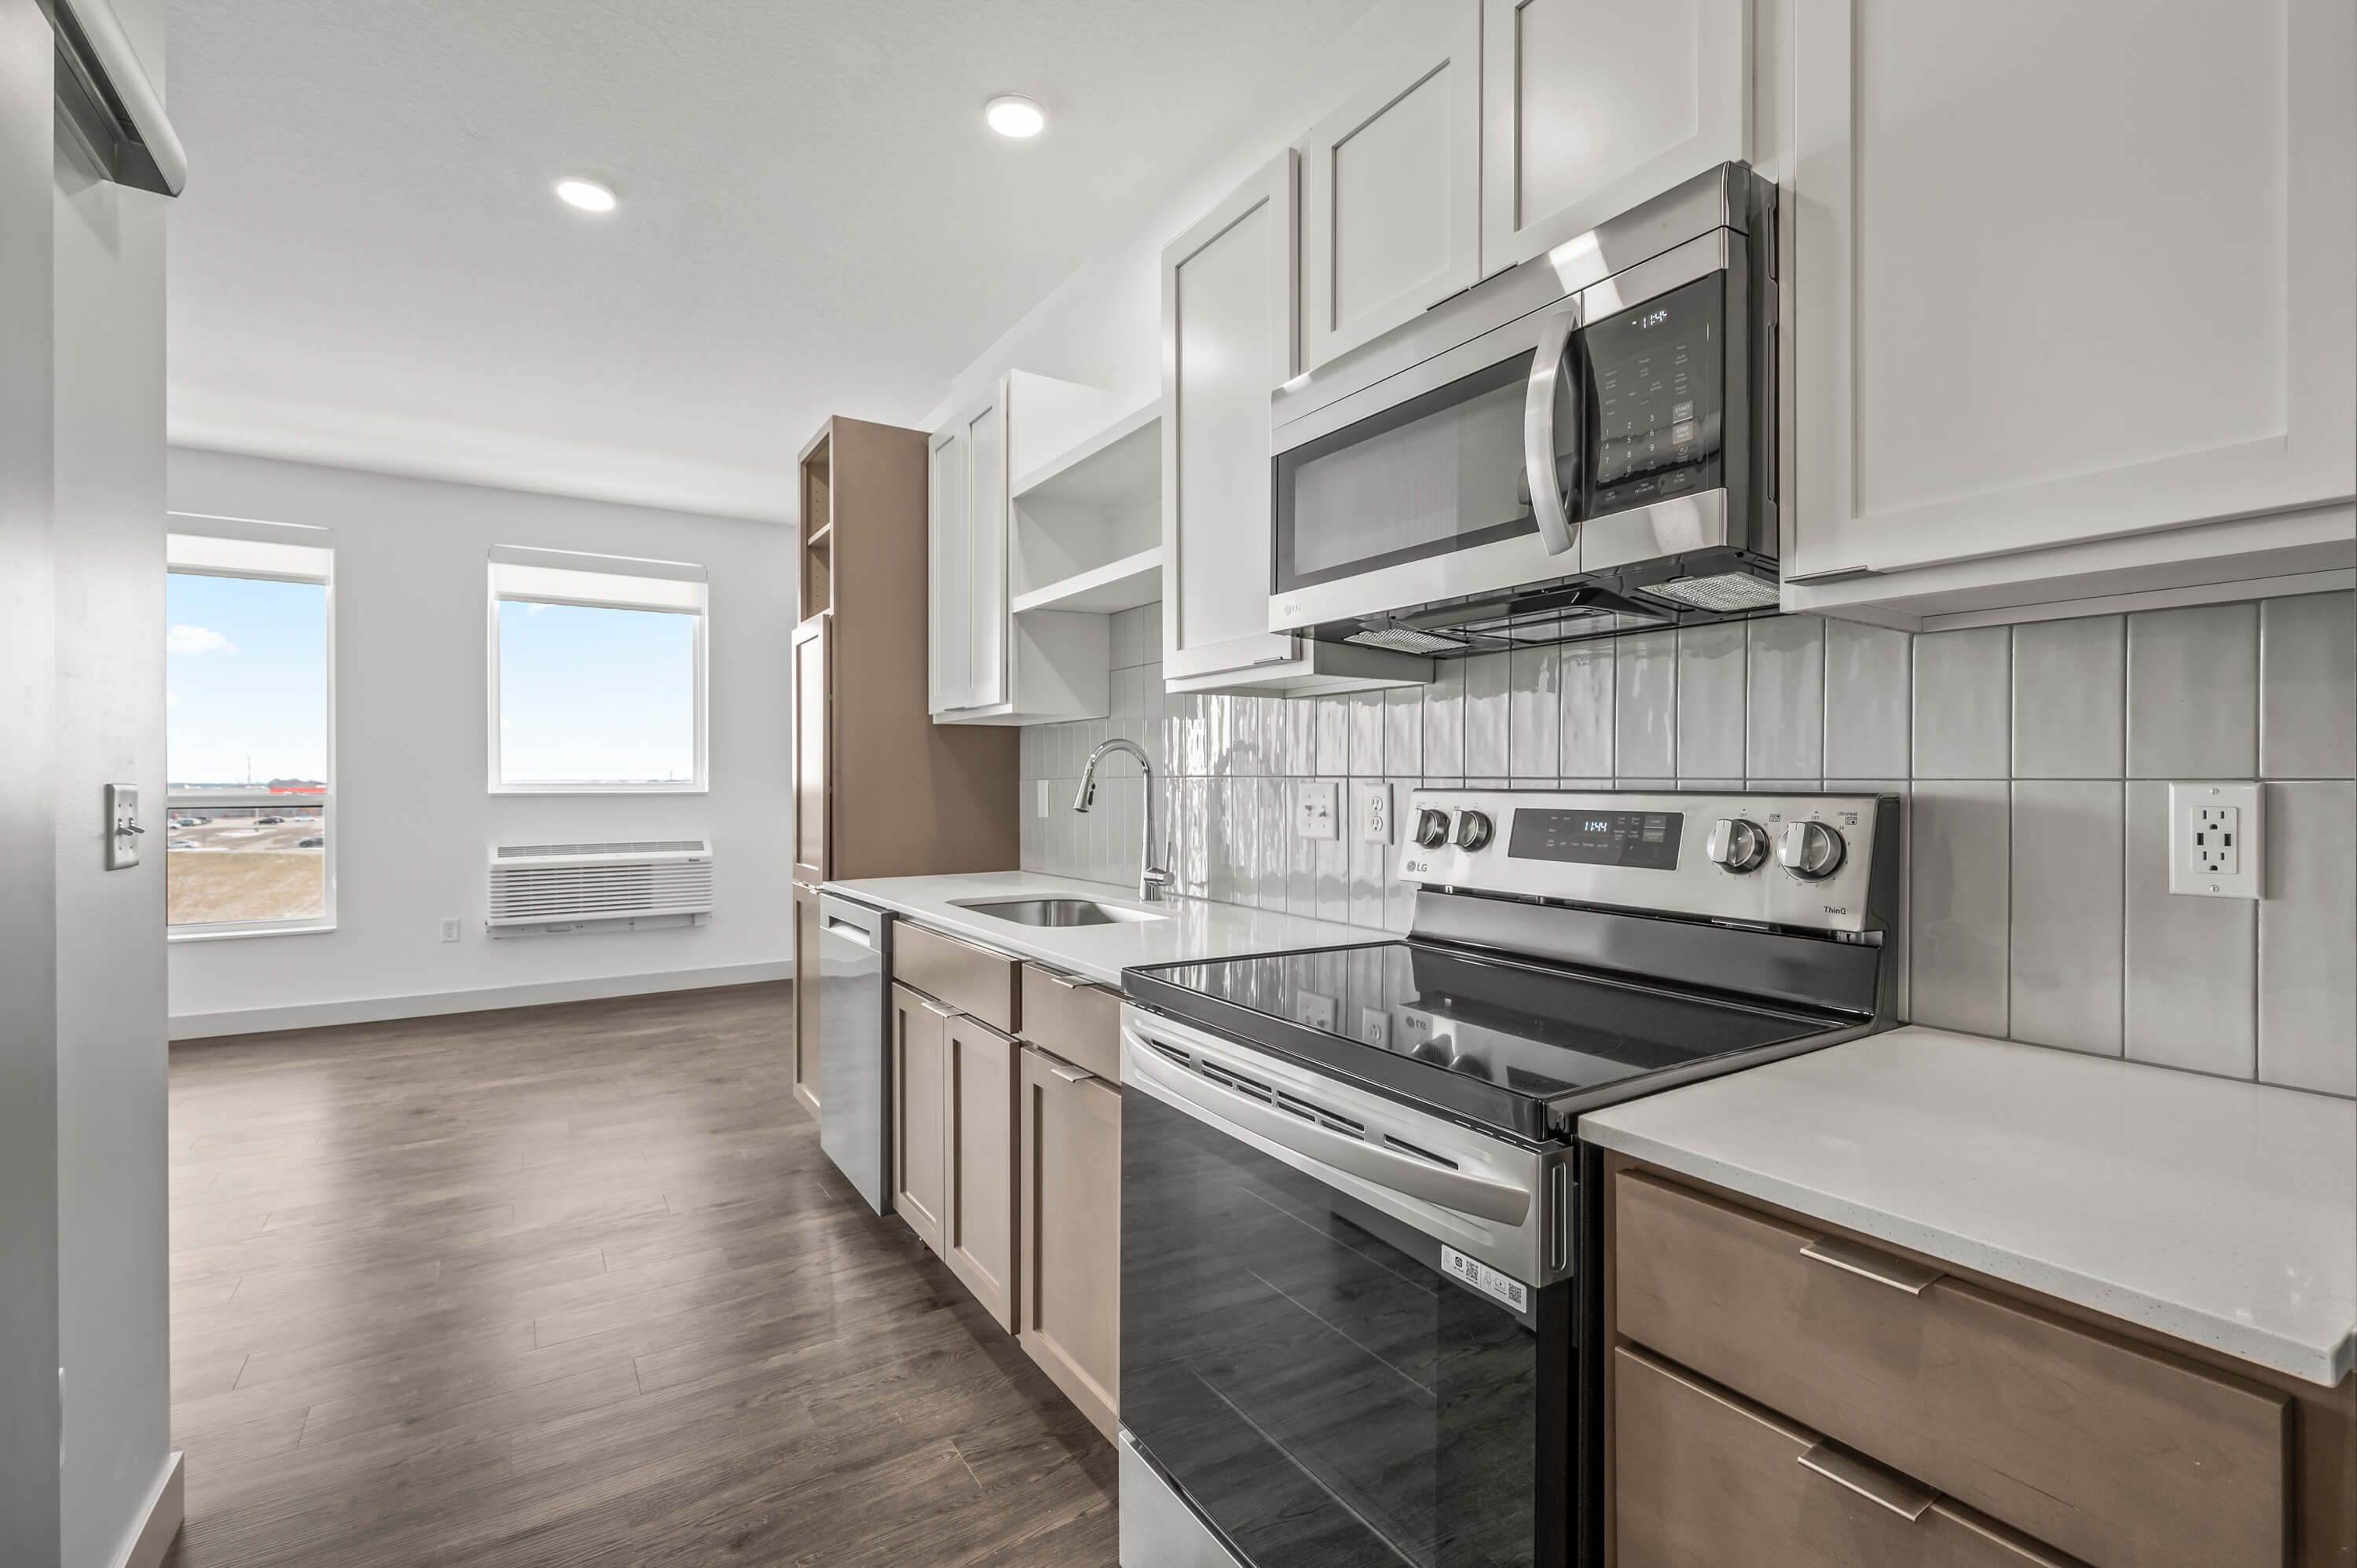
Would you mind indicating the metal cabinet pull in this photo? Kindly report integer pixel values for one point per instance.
(1866, 1263)
(1069, 1074)
(1886, 1488)
(936, 1009)
(1053, 978)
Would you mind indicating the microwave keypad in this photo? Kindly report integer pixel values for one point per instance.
(1656, 392)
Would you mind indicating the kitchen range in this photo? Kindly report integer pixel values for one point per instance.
(1361, 1242)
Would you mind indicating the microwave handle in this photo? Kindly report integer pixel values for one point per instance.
(1555, 529)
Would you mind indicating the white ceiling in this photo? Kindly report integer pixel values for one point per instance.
(369, 268)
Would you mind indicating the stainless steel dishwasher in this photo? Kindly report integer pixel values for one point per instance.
(855, 1061)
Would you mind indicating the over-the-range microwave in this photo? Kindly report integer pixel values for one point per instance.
(1585, 444)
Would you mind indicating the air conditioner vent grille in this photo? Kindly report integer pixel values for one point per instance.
(557, 884)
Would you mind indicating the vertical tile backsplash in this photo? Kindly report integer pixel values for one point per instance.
(2034, 761)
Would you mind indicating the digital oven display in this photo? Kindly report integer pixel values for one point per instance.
(1646, 840)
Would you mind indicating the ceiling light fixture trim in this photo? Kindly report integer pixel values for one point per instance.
(585, 194)
(1011, 115)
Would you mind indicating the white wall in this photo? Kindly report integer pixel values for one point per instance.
(413, 816)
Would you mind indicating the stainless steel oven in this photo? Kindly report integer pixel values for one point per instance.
(1587, 441)
(1361, 1292)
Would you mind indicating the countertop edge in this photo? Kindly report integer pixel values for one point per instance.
(991, 936)
(2324, 1365)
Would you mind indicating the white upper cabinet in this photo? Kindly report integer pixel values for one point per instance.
(2066, 275)
(1391, 207)
(1228, 328)
(987, 664)
(1592, 106)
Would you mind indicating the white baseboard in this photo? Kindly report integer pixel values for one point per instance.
(378, 1009)
(165, 1507)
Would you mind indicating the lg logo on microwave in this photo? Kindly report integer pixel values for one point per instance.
(1289, 610)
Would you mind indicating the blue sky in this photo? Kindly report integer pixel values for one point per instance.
(245, 679)
(596, 694)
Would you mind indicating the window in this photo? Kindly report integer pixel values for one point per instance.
(249, 736)
(597, 676)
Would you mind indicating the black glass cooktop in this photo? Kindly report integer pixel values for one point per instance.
(1520, 1047)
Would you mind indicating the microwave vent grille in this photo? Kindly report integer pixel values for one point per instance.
(1401, 639)
(1728, 591)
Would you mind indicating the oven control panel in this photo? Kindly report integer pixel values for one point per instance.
(1803, 860)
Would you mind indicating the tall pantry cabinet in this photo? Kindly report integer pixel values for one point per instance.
(879, 788)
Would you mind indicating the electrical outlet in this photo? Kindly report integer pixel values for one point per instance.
(1313, 1011)
(1316, 807)
(2217, 840)
(451, 928)
(1375, 814)
(1375, 1028)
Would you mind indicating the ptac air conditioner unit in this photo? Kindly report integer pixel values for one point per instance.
(542, 888)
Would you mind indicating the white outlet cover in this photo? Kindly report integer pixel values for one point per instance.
(1375, 1027)
(1313, 1011)
(1315, 809)
(2217, 839)
(1375, 812)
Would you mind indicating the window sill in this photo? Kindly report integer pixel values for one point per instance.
(200, 934)
(601, 789)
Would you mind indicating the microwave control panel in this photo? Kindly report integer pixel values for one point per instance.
(1657, 396)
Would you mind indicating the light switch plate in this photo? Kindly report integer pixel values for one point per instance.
(1375, 812)
(122, 829)
(1315, 806)
(2217, 840)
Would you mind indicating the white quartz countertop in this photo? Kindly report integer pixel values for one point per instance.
(2218, 1212)
(1188, 929)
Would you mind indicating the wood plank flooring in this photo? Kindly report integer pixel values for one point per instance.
(572, 1285)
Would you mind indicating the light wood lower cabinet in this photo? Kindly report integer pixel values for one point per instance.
(920, 1123)
(806, 1032)
(978, 1222)
(1070, 1199)
(1706, 1477)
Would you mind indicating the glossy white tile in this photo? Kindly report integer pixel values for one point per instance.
(1486, 681)
(1784, 706)
(1868, 696)
(1645, 705)
(2308, 671)
(1584, 730)
(2068, 865)
(1963, 703)
(2308, 938)
(1533, 713)
(1710, 701)
(2193, 689)
(2070, 698)
(1958, 910)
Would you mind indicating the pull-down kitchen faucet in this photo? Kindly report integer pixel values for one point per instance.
(1151, 878)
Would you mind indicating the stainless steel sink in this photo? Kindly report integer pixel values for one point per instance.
(1054, 911)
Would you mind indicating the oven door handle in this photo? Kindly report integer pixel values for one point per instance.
(1496, 1201)
(1555, 528)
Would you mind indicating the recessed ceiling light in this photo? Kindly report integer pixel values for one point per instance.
(585, 194)
(1013, 116)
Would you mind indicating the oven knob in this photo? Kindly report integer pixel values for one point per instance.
(1810, 851)
(1431, 828)
(1473, 830)
(1736, 844)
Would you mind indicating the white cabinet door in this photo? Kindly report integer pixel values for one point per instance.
(1592, 106)
(967, 580)
(1227, 341)
(1391, 203)
(949, 653)
(2067, 273)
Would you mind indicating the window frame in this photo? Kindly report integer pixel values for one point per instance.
(680, 589)
(290, 550)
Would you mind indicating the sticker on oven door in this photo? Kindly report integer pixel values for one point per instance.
(1487, 1280)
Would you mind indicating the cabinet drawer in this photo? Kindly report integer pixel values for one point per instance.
(1078, 1021)
(967, 978)
(1700, 1475)
(2110, 1450)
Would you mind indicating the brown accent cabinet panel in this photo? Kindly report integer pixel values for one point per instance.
(806, 1032)
(1070, 1198)
(969, 979)
(978, 1220)
(1706, 1477)
(920, 1123)
(2105, 1448)
(1073, 1020)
